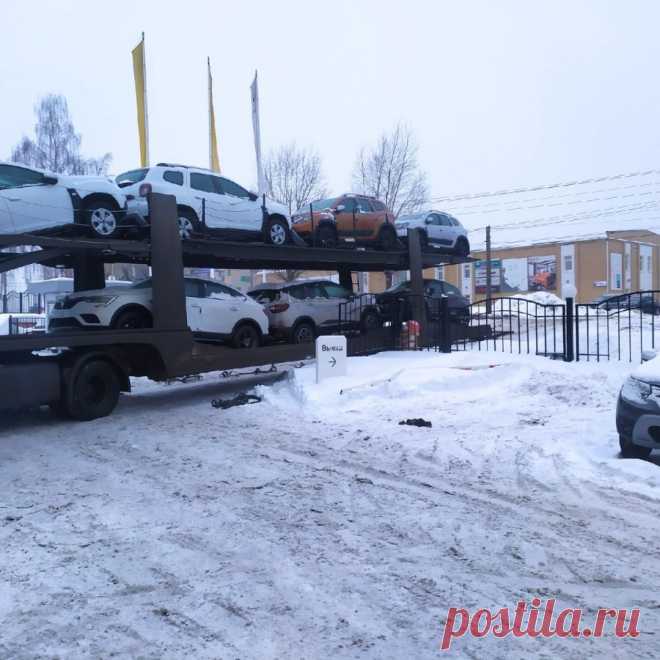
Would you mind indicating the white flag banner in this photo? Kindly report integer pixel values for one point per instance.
(254, 89)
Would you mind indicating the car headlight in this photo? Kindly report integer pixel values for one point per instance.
(635, 391)
(96, 300)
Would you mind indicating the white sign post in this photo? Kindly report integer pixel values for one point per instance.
(330, 357)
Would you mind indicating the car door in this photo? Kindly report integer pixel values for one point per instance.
(206, 190)
(194, 304)
(246, 212)
(442, 231)
(345, 217)
(366, 218)
(33, 201)
(6, 222)
(222, 308)
(337, 295)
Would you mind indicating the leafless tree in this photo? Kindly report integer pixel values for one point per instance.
(56, 146)
(294, 176)
(390, 172)
(288, 275)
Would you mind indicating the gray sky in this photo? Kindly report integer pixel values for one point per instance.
(499, 94)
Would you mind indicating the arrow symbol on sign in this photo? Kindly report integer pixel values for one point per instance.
(333, 361)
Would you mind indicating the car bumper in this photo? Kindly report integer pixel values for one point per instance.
(59, 321)
(637, 423)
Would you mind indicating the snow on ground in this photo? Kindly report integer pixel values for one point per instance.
(313, 525)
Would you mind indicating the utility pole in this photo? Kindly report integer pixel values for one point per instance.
(489, 281)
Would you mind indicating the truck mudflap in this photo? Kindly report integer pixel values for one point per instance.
(27, 385)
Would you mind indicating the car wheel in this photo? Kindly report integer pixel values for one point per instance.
(462, 247)
(630, 450)
(93, 392)
(277, 232)
(370, 321)
(132, 319)
(245, 335)
(188, 224)
(102, 218)
(326, 236)
(303, 333)
(424, 239)
(387, 238)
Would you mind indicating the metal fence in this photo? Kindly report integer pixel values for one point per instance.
(20, 302)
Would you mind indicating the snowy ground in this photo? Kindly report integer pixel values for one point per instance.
(313, 525)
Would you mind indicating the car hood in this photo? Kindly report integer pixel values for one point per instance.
(276, 207)
(108, 291)
(82, 180)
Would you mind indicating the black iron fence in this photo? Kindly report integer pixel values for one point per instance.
(19, 302)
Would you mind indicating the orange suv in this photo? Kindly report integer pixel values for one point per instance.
(348, 217)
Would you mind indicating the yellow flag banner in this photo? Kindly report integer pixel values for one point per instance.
(214, 158)
(140, 75)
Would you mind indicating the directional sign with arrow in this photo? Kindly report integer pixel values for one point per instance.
(331, 357)
(333, 361)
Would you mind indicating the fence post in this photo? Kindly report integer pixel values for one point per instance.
(445, 338)
(20, 302)
(577, 333)
(568, 331)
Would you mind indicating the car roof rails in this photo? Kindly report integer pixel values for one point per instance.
(185, 167)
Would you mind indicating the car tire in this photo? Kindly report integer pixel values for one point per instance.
(188, 224)
(370, 321)
(93, 391)
(101, 217)
(132, 319)
(276, 232)
(387, 238)
(326, 236)
(631, 450)
(424, 240)
(303, 333)
(462, 247)
(245, 335)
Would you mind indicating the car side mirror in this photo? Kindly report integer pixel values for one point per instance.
(49, 180)
(253, 196)
(428, 221)
(340, 208)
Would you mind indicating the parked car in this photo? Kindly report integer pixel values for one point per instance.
(437, 229)
(34, 200)
(395, 302)
(638, 409)
(647, 302)
(358, 218)
(215, 312)
(209, 202)
(299, 311)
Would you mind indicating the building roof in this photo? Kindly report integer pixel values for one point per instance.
(560, 212)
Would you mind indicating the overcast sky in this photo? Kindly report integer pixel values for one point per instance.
(499, 94)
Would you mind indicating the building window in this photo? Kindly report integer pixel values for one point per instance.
(568, 262)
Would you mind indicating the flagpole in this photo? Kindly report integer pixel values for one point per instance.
(210, 95)
(254, 89)
(146, 111)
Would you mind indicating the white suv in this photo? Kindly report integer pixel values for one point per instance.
(208, 201)
(34, 200)
(298, 311)
(215, 311)
(438, 228)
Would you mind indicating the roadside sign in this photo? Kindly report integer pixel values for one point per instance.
(330, 357)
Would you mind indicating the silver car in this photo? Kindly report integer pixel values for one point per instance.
(438, 229)
(299, 311)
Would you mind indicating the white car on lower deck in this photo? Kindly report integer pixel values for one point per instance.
(207, 201)
(33, 200)
(438, 229)
(214, 311)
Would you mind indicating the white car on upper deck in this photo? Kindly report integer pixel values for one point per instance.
(33, 200)
(438, 228)
(207, 201)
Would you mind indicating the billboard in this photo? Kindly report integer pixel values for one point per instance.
(514, 275)
(480, 275)
(542, 273)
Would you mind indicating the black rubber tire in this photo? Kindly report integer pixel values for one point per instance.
(303, 333)
(96, 206)
(187, 231)
(132, 319)
(370, 321)
(630, 450)
(276, 227)
(93, 392)
(245, 335)
(326, 236)
(462, 247)
(387, 238)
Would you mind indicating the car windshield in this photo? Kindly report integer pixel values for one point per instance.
(142, 284)
(413, 217)
(321, 204)
(131, 177)
(265, 295)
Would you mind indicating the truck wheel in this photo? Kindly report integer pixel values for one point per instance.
(93, 392)
(245, 335)
(630, 450)
(370, 321)
(276, 232)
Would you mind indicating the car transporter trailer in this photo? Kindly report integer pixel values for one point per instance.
(80, 373)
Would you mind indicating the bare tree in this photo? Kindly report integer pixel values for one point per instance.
(288, 275)
(294, 176)
(56, 146)
(390, 172)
